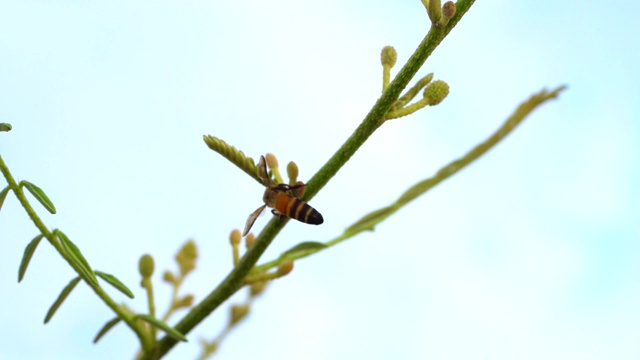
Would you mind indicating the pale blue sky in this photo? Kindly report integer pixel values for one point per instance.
(532, 252)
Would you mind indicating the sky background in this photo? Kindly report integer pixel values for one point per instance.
(532, 252)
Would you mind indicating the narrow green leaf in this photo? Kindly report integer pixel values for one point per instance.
(5, 127)
(162, 326)
(39, 195)
(75, 253)
(113, 281)
(306, 245)
(111, 323)
(3, 195)
(26, 257)
(63, 295)
(369, 221)
(237, 157)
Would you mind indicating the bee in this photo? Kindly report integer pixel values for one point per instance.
(284, 199)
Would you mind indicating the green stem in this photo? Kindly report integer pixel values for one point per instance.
(233, 281)
(376, 116)
(408, 110)
(377, 216)
(386, 76)
(17, 190)
(148, 285)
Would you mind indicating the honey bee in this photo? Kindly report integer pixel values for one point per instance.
(284, 199)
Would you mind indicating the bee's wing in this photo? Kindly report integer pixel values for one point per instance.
(252, 218)
(263, 174)
(298, 189)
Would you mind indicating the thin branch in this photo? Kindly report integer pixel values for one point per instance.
(126, 317)
(371, 122)
(369, 221)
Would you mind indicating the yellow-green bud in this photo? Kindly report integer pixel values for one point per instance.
(434, 10)
(186, 257)
(285, 267)
(209, 347)
(435, 92)
(249, 240)
(292, 172)
(257, 288)
(238, 312)
(272, 161)
(235, 237)
(388, 56)
(448, 10)
(185, 302)
(425, 80)
(189, 250)
(168, 276)
(146, 266)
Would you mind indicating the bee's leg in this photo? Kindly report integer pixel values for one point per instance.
(277, 213)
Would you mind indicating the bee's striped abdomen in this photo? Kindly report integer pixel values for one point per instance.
(297, 209)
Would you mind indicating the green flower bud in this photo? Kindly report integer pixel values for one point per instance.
(186, 257)
(435, 92)
(168, 276)
(292, 172)
(388, 56)
(285, 267)
(146, 266)
(185, 302)
(238, 312)
(272, 161)
(257, 288)
(434, 9)
(235, 237)
(249, 240)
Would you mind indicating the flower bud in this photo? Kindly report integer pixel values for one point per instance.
(168, 276)
(448, 10)
(388, 56)
(434, 10)
(238, 312)
(186, 257)
(435, 92)
(272, 161)
(285, 267)
(235, 237)
(146, 266)
(185, 302)
(257, 288)
(249, 240)
(292, 172)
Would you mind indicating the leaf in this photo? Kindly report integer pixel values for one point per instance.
(111, 323)
(39, 195)
(75, 253)
(26, 257)
(5, 127)
(306, 245)
(237, 157)
(63, 295)
(3, 195)
(113, 281)
(162, 326)
(369, 221)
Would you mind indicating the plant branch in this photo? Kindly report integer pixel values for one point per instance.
(17, 190)
(369, 221)
(371, 122)
(376, 116)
